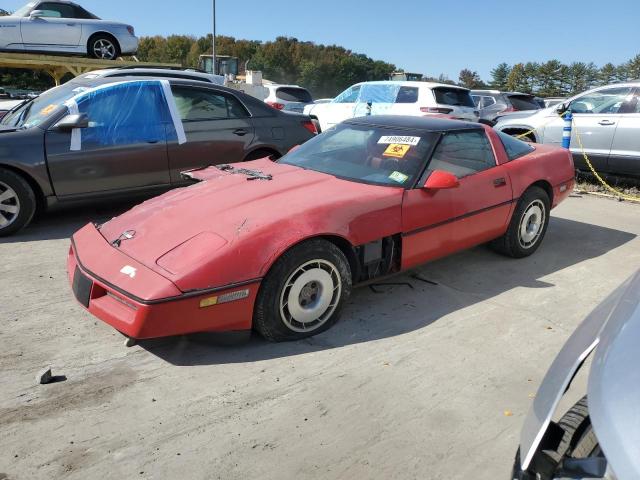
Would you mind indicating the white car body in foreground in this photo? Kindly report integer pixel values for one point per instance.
(64, 27)
(395, 98)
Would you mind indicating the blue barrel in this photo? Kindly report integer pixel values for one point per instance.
(566, 130)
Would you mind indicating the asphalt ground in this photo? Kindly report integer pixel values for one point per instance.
(429, 377)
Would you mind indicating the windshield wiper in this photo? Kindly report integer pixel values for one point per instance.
(251, 174)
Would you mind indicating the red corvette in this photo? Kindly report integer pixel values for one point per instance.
(277, 246)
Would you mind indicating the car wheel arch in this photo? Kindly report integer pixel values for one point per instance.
(105, 34)
(35, 186)
(339, 241)
(267, 150)
(546, 186)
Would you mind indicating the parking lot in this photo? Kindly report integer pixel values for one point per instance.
(428, 377)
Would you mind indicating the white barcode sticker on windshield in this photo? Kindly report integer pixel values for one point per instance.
(400, 139)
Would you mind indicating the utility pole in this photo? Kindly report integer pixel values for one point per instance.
(213, 52)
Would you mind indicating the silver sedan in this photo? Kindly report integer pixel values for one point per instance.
(64, 27)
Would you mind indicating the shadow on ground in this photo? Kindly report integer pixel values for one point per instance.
(414, 300)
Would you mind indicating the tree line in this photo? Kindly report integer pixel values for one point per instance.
(323, 69)
(553, 78)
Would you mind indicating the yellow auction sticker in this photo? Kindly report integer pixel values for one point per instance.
(396, 150)
(48, 109)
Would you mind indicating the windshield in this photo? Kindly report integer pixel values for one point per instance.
(34, 112)
(366, 154)
(24, 11)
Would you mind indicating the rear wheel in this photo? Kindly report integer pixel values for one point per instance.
(17, 202)
(528, 225)
(303, 293)
(103, 47)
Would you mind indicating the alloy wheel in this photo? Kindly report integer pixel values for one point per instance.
(531, 224)
(104, 49)
(9, 205)
(310, 296)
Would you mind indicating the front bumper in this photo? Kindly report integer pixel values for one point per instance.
(141, 303)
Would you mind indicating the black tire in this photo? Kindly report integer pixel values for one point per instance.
(106, 41)
(18, 209)
(276, 322)
(256, 154)
(513, 243)
(578, 441)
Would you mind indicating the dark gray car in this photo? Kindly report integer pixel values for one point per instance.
(97, 138)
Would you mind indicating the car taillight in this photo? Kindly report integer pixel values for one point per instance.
(276, 105)
(436, 110)
(131, 30)
(309, 125)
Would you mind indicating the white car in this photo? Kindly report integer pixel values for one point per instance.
(64, 27)
(395, 98)
(289, 98)
(158, 72)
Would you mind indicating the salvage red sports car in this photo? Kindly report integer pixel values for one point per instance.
(277, 246)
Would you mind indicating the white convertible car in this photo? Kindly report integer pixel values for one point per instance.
(64, 27)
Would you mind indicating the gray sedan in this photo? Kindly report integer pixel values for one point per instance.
(105, 138)
(64, 27)
(607, 120)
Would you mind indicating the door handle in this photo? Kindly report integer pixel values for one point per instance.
(153, 141)
(240, 132)
(499, 182)
(71, 24)
(606, 122)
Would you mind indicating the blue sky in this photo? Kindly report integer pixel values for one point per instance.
(424, 36)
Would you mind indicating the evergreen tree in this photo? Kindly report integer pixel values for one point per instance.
(499, 76)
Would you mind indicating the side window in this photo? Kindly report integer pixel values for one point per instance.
(79, 12)
(348, 96)
(463, 153)
(513, 147)
(488, 101)
(57, 10)
(407, 95)
(632, 105)
(601, 102)
(201, 105)
(124, 115)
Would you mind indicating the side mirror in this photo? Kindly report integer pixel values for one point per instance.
(37, 14)
(562, 108)
(73, 121)
(440, 180)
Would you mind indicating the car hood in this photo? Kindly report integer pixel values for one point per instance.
(228, 211)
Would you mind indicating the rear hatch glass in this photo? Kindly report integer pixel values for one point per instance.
(523, 102)
(292, 94)
(453, 96)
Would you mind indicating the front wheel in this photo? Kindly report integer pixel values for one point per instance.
(528, 225)
(17, 202)
(303, 293)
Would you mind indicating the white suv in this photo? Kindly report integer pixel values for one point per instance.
(288, 98)
(395, 98)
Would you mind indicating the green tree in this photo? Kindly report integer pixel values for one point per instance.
(499, 76)
(517, 79)
(608, 74)
(470, 79)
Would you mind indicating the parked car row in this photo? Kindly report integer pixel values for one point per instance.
(123, 139)
(607, 120)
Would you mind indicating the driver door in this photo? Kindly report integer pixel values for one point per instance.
(58, 27)
(439, 222)
(595, 119)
